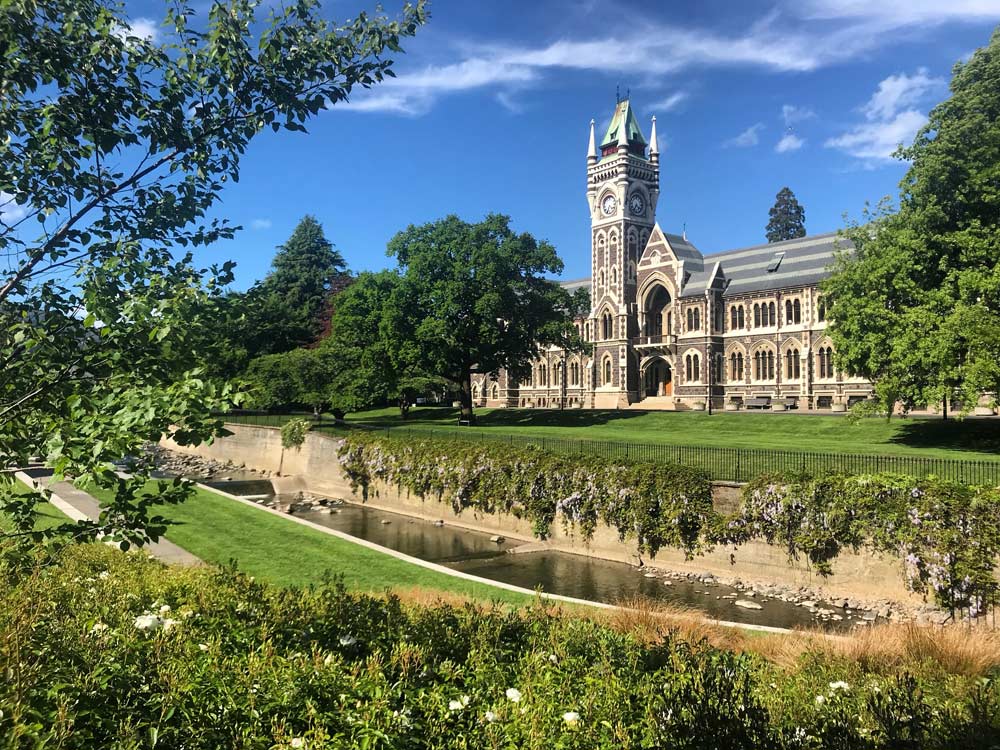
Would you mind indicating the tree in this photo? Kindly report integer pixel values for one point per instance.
(287, 308)
(472, 297)
(299, 378)
(916, 306)
(360, 342)
(788, 218)
(113, 150)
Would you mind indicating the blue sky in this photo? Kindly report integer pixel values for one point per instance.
(492, 102)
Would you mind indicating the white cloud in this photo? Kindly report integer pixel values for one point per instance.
(902, 12)
(875, 142)
(795, 36)
(789, 142)
(899, 92)
(10, 212)
(891, 118)
(792, 114)
(143, 28)
(749, 137)
(669, 103)
(260, 224)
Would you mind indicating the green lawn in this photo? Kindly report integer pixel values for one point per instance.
(936, 438)
(48, 515)
(275, 549)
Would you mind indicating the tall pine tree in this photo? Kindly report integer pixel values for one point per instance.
(788, 218)
(289, 307)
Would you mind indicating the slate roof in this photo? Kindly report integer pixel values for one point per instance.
(803, 262)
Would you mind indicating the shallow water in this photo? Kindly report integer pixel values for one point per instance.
(555, 572)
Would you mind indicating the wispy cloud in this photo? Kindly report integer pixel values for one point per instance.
(260, 224)
(749, 137)
(669, 103)
(143, 28)
(793, 37)
(789, 142)
(792, 114)
(891, 118)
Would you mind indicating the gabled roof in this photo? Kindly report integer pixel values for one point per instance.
(623, 115)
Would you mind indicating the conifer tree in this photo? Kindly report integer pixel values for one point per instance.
(288, 307)
(788, 218)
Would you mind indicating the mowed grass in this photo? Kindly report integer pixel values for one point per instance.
(977, 439)
(219, 530)
(47, 514)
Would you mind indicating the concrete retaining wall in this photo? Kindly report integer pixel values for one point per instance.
(316, 468)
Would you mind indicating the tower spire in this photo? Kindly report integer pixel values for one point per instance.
(592, 146)
(654, 147)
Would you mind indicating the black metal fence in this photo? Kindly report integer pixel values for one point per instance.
(723, 464)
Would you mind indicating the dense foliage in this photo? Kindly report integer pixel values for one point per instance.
(112, 650)
(658, 505)
(114, 150)
(947, 534)
(300, 378)
(787, 218)
(916, 307)
(472, 296)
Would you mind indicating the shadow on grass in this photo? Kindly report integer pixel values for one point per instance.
(979, 435)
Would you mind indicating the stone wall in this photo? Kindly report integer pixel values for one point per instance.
(316, 468)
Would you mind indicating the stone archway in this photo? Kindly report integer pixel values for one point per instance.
(657, 378)
(656, 313)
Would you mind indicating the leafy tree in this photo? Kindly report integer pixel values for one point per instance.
(472, 297)
(299, 378)
(916, 307)
(113, 149)
(788, 218)
(287, 309)
(360, 342)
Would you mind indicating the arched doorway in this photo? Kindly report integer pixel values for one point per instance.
(656, 308)
(657, 379)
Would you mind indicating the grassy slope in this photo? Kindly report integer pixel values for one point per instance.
(48, 515)
(219, 530)
(971, 439)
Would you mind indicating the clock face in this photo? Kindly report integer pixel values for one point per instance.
(608, 205)
(636, 204)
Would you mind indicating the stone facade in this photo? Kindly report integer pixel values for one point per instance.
(671, 328)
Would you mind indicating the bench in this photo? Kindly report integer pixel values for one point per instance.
(790, 402)
(758, 402)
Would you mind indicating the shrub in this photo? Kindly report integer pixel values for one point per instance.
(108, 649)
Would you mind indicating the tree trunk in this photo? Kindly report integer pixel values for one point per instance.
(944, 409)
(465, 399)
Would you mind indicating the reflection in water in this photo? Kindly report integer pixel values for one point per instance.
(553, 572)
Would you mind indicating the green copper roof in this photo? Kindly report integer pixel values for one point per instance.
(623, 114)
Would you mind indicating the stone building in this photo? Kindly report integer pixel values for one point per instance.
(672, 328)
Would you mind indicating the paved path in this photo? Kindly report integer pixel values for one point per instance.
(79, 505)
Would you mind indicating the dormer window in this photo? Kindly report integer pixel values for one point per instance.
(775, 262)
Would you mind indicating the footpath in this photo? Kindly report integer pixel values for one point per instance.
(79, 505)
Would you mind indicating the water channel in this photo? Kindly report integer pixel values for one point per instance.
(556, 572)
(553, 572)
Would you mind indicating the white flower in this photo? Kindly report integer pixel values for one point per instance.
(571, 718)
(148, 622)
(839, 685)
(164, 609)
(348, 640)
(553, 658)
(103, 574)
(203, 646)
(297, 742)
(455, 705)
(168, 623)
(99, 627)
(820, 700)
(491, 717)
(513, 694)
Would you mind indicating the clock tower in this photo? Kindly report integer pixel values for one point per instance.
(623, 185)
